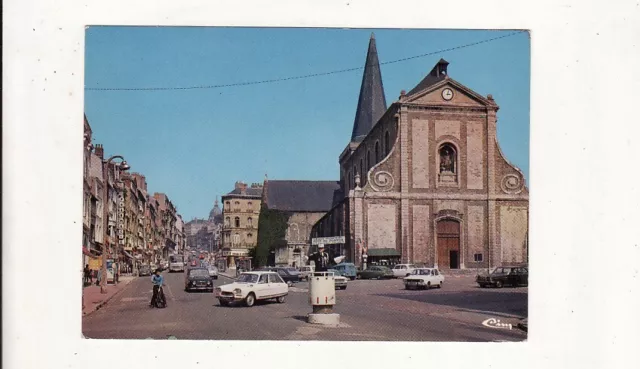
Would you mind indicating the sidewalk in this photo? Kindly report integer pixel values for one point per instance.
(228, 274)
(94, 300)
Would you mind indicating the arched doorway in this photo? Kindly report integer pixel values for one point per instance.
(448, 231)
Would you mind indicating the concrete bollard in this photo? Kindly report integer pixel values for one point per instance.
(322, 297)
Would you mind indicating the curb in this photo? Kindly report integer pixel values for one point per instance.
(105, 301)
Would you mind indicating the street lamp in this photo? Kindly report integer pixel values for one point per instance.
(105, 213)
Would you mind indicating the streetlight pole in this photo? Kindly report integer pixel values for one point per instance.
(105, 213)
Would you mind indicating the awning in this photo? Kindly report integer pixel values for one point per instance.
(127, 254)
(383, 252)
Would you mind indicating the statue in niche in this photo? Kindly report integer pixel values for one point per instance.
(447, 160)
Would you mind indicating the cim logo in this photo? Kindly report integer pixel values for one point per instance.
(495, 323)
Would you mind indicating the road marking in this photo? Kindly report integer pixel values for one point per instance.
(296, 289)
(131, 299)
(171, 293)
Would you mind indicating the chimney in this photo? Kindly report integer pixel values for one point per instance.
(99, 151)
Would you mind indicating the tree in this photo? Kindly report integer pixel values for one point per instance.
(272, 228)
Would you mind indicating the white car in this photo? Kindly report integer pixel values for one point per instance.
(252, 286)
(403, 270)
(213, 271)
(339, 281)
(424, 278)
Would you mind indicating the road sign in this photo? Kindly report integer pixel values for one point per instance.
(327, 240)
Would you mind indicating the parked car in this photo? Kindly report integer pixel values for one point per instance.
(403, 270)
(285, 273)
(375, 272)
(339, 280)
(505, 275)
(252, 286)
(423, 278)
(347, 270)
(213, 272)
(198, 279)
(306, 271)
(144, 270)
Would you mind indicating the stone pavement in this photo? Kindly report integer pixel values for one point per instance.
(94, 300)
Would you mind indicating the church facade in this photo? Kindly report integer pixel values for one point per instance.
(424, 180)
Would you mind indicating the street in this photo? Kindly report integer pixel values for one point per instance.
(371, 310)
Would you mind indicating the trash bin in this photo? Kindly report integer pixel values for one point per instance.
(322, 292)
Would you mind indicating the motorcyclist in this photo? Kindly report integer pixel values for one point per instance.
(157, 280)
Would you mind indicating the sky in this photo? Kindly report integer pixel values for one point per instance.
(194, 144)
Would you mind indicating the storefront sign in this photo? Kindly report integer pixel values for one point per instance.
(121, 219)
(327, 240)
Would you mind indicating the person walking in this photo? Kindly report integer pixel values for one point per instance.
(157, 280)
(87, 275)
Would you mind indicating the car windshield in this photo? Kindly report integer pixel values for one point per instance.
(292, 270)
(247, 278)
(211, 267)
(198, 273)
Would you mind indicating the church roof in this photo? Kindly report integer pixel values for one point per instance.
(437, 74)
(371, 102)
(303, 196)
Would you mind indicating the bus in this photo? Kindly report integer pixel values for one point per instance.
(176, 263)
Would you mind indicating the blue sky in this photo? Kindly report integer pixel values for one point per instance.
(194, 144)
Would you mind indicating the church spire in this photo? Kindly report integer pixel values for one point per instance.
(371, 102)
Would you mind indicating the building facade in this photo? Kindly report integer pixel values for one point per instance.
(304, 203)
(241, 212)
(427, 182)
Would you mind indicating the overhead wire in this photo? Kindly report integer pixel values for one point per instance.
(274, 80)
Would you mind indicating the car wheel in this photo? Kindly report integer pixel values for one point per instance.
(440, 285)
(499, 284)
(250, 300)
(223, 303)
(281, 299)
(428, 286)
(289, 284)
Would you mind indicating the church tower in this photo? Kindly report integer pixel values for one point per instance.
(215, 212)
(371, 102)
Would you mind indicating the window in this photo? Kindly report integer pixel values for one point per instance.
(227, 222)
(274, 278)
(263, 278)
(361, 170)
(282, 272)
(236, 238)
(237, 222)
(250, 222)
(386, 143)
(249, 235)
(227, 205)
(377, 152)
(477, 257)
(368, 159)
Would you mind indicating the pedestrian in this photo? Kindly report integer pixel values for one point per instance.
(157, 280)
(87, 275)
(98, 277)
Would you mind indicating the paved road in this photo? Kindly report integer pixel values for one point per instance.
(370, 310)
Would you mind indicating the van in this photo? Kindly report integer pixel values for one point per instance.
(347, 269)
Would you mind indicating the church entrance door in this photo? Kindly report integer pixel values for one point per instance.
(448, 232)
